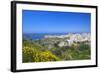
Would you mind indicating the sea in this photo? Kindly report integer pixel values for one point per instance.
(39, 36)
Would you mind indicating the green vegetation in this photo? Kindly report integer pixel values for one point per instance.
(36, 51)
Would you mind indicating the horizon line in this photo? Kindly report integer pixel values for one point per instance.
(57, 32)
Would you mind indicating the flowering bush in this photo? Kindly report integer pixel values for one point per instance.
(35, 55)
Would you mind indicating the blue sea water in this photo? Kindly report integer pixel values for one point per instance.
(39, 36)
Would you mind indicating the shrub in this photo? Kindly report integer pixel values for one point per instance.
(48, 56)
(27, 54)
(35, 55)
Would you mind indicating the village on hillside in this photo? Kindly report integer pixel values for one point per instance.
(66, 40)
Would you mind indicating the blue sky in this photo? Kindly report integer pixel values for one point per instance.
(55, 22)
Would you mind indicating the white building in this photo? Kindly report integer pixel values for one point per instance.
(62, 44)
